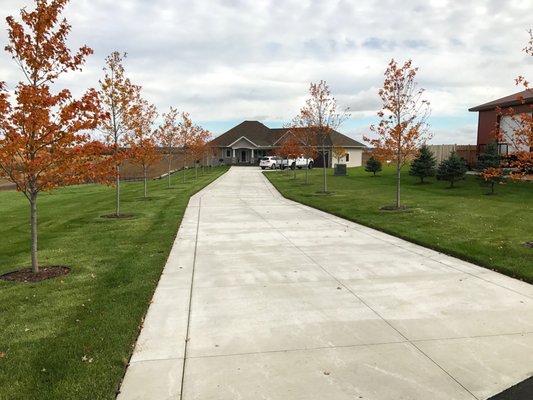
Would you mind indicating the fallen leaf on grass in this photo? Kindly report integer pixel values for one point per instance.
(2, 355)
(86, 359)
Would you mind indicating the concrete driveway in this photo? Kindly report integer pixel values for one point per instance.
(264, 298)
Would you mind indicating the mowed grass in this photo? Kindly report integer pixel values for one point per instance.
(71, 337)
(465, 222)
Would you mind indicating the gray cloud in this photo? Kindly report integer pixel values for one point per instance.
(231, 60)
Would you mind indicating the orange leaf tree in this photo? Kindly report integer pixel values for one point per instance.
(199, 145)
(403, 125)
(290, 148)
(339, 152)
(185, 138)
(308, 144)
(141, 138)
(117, 95)
(319, 117)
(192, 139)
(42, 144)
(519, 132)
(168, 136)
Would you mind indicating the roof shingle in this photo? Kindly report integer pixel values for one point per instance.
(263, 136)
(507, 101)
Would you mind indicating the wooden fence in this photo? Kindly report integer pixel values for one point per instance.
(467, 152)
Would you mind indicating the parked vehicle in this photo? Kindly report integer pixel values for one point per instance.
(298, 162)
(271, 162)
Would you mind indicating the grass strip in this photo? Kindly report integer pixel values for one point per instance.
(71, 337)
(491, 231)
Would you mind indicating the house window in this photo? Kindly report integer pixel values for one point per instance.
(228, 153)
(347, 157)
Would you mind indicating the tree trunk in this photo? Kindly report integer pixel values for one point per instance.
(169, 167)
(117, 190)
(33, 222)
(145, 170)
(184, 163)
(398, 175)
(307, 174)
(324, 161)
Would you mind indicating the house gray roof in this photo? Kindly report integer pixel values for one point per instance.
(262, 136)
(507, 101)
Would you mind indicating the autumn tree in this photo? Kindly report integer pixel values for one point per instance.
(339, 152)
(489, 166)
(198, 145)
(424, 165)
(43, 144)
(453, 169)
(373, 165)
(117, 95)
(402, 128)
(189, 136)
(168, 136)
(519, 133)
(141, 138)
(308, 143)
(319, 117)
(290, 149)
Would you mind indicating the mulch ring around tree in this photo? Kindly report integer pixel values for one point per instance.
(26, 275)
(117, 216)
(396, 209)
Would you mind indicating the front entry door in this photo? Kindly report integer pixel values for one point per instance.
(244, 155)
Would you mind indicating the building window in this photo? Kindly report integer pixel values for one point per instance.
(347, 157)
(228, 153)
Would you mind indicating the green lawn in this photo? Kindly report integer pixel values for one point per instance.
(71, 337)
(487, 230)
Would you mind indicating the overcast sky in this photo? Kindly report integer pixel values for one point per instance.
(234, 60)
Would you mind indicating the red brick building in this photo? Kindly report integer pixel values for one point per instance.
(490, 120)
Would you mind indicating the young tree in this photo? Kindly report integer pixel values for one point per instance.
(117, 95)
(425, 165)
(308, 143)
(290, 149)
(339, 152)
(520, 130)
(452, 169)
(198, 147)
(189, 134)
(489, 165)
(403, 128)
(373, 165)
(168, 136)
(141, 138)
(43, 145)
(320, 117)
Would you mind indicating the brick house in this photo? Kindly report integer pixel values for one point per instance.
(489, 120)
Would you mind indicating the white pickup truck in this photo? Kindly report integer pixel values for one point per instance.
(298, 162)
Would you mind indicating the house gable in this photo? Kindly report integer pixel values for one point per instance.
(243, 142)
(489, 117)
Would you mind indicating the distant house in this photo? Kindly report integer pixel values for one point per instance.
(247, 142)
(489, 120)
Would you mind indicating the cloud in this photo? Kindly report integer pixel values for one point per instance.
(243, 59)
